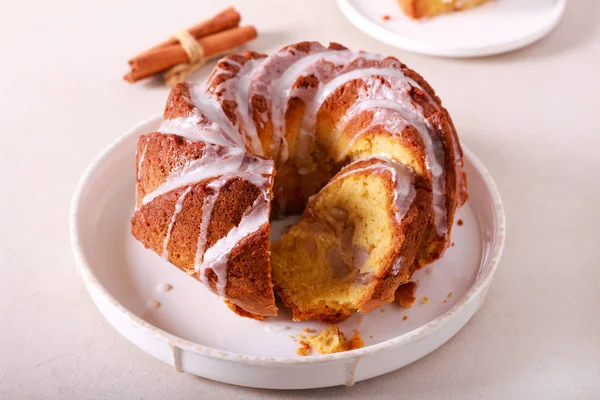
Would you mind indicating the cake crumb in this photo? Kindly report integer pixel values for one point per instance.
(371, 336)
(382, 310)
(452, 244)
(355, 341)
(404, 318)
(304, 349)
(405, 294)
(308, 330)
(425, 300)
(459, 222)
(330, 340)
(386, 17)
(445, 301)
(449, 294)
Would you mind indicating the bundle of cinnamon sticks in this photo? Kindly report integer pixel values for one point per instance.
(216, 36)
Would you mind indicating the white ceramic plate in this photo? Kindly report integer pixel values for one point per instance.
(493, 28)
(194, 331)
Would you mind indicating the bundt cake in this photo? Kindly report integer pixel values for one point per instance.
(429, 8)
(356, 142)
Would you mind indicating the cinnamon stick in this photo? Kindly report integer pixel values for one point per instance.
(162, 58)
(226, 19)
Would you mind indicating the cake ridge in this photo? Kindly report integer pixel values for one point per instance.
(236, 123)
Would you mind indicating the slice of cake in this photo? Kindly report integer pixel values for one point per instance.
(417, 9)
(354, 244)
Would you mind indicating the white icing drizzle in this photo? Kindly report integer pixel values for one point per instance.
(320, 63)
(224, 157)
(265, 82)
(216, 256)
(403, 178)
(142, 157)
(236, 89)
(392, 94)
(209, 106)
(214, 162)
(178, 208)
(196, 128)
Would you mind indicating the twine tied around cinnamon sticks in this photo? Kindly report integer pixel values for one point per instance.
(195, 53)
(188, 50)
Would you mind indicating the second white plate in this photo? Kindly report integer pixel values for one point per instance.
(496, 27)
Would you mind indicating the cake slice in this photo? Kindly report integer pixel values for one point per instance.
(417, 9)
(354, 244)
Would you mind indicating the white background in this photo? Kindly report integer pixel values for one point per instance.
(532, 116)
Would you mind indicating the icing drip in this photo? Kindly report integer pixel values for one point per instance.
(215, 161)
(209, 106)
(403, 178)
(142, 157)
(217, 256)
(266, 82)
(219, 165)
(178, 208)
(384, 91)
(393, 95)
(320, 63)
(196, 128)
(236, 89)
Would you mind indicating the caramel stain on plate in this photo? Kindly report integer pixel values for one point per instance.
(459, 222)
(404, 318)
(449, 294)
(371, 337)
(386, 17)
(382, 310)
(425, 300)
(452, 244)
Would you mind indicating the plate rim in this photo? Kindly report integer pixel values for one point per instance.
(482, 281)
(391, 38)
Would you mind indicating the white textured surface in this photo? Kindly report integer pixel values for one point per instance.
(529, 115)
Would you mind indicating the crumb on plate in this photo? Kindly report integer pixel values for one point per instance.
(405, 294)
(329, 340)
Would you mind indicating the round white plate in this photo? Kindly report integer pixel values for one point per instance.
(193, 330)
(493, 28)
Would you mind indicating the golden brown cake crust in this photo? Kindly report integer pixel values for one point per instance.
(385, 281)
(249, 288)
